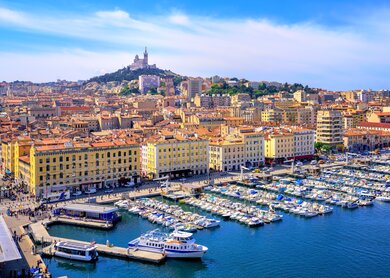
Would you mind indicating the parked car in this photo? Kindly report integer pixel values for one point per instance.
(109, 190)
(90, 191)
(77, 193)
(129, 184)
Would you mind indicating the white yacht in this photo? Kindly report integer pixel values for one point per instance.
(76, 251)
(175, 245)
(383, 198)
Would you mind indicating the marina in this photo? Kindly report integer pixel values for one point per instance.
(251, 203)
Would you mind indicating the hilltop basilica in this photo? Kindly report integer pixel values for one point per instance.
(142, 63)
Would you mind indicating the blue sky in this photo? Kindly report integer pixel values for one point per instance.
(336, 45)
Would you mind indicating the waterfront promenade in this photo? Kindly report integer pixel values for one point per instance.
(25, 244)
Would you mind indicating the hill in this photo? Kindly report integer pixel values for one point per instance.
(129, 75)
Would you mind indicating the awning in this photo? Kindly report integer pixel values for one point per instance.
(58, 187)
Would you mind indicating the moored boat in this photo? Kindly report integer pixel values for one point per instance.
(175, 245)
(76, 251)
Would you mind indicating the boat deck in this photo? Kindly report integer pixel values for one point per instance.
(40, 234)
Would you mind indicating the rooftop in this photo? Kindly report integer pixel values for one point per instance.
(8, 249)
(90, 208)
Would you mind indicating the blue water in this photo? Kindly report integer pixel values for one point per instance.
(346, 243)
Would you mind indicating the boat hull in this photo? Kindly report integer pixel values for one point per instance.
(75, 257)
(171, 253)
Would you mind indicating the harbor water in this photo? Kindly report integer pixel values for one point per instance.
(345, 243)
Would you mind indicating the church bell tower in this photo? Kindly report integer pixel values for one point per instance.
(146, 63)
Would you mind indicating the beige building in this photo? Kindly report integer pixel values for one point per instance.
(242, 147)
(329, 127)
(175, 155)
(240, 97)
(272, 115)
(213, 101)
(300, 96)
(379, 117)
(194, 87)
(288, 143)
(357, 140)
(78, 166)
(279, 146)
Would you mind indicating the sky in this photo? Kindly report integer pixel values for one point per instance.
(330, 44)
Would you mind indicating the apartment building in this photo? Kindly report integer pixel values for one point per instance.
(78, 166)
(272, 115)
(242, 147)
(279, 146)
(329, 127)
(357, 140)
(174, 155)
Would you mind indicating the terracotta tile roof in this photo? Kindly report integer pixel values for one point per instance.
(369, 124)
(25, 159)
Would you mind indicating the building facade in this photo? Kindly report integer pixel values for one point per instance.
(148, 82)
(175, 155)
(329, 128)
(78, 166)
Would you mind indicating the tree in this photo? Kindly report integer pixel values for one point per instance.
(152, 91)
(262, 86)
(126, 90)
(322, 147)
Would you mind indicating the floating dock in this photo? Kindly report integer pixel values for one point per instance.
(90, 223)
(40, 234)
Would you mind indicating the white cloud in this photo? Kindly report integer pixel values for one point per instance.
(256, 49)
(178, 18)
(118, 14)
(7, 15)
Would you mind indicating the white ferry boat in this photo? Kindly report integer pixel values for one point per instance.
(76, 251)
(175, 245)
